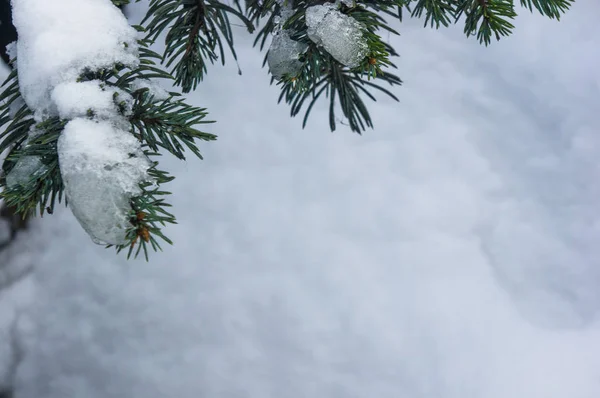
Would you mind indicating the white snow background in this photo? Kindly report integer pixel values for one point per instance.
(452, 252)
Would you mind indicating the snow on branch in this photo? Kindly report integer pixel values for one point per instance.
(101, 164)
(84, 115)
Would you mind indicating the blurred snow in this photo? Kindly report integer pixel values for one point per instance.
(449, 253)
(17, 292)
(4, 231)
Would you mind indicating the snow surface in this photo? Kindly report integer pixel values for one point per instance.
(452, 252)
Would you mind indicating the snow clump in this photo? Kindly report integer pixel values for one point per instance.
(101, 162)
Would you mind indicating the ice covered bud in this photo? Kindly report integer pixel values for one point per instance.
(339, 34)
(284, 54)
(27, 169)
(101, 167)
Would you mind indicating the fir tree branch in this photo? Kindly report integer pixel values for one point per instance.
(256, 10)
(159, 123)
(45, 188)
(148, 215)
(169, 124)
(485, 18)
(550, 8)
(323, 74)
(195, 30)
(437, 12)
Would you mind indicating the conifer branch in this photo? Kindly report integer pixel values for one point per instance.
(159, 123)
(321, 73)
(197, 32)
